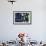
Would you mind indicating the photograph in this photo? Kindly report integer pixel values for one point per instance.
(22, 17)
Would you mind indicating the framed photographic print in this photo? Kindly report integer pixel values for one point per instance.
(22, 17)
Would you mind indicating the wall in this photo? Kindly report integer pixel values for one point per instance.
(9, 31)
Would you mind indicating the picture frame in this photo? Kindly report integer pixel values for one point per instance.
(22, 17)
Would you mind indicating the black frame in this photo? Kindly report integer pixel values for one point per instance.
(21, 23)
